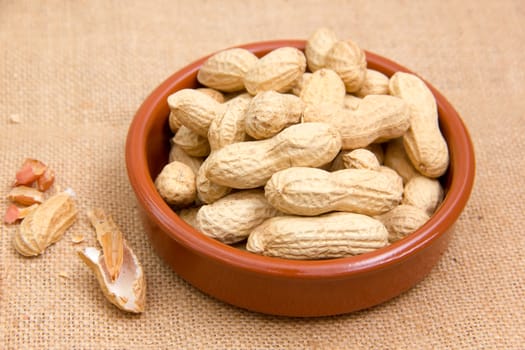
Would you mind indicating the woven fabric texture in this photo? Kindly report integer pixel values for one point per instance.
(72, 74)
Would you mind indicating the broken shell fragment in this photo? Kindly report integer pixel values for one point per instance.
(25, 195)
(116, 267)
(128, 290)
(45, 181)
(15, 213)
(45, 225)
(110, 239)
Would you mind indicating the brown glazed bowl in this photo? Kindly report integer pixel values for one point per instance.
(288, 287)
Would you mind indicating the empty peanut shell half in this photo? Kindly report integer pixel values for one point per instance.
(116, 267)
(45, 225)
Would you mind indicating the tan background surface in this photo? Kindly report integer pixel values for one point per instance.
(74, 72)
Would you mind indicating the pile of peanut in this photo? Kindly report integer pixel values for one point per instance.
(334, 161)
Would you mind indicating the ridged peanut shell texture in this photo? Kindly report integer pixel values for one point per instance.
(425, 145)
(207, 190)
(317, 46)
(278, 71)
(229, 127)
(324, 86)
(194, 110)
(45, 225)
(327, 236)
(226, 129)
(311, 191)
(225, 70)
(176, 184)
(360, 158)
(349, 61)
(179, 155)
(250, 164)
(377, 119)
(232, 218)
(424, 193)
(376, 83)
(402, 221)
(191, 143)
(270, 112)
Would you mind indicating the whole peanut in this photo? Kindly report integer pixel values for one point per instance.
(176, 184)
(225, 70)
(424, 143)
(232, 218)
(194, 109)
(311, 191)
(377, 119)
(332, 235)
(278, 71)
(317, 46)
(270, 112)
(349, 61)
(424, 193)
(376, 83)
(250, 164)
(175, 123)
(402, 221)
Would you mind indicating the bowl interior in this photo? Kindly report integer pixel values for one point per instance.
(147, 152)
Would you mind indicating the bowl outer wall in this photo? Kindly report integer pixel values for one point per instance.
(280, 286)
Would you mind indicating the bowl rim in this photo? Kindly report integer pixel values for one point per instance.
(161, 214)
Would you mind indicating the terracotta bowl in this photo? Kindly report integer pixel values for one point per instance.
(278, 286)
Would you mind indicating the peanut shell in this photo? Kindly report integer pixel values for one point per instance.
(310, 191)
(324, 86)
(327, 236)
(402, 221)
(45, 225)
(349, 61)
(425, 145)
(377, 119)
(225, 70)
(317, 47)
(278, 71)
(232, 218)
(375, 83)
(270, 112)
(194, 109)
(250, 164)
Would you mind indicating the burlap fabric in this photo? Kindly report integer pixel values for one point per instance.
(73, 73)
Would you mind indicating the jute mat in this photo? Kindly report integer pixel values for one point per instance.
(72, 73)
